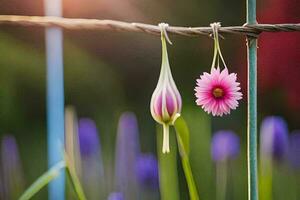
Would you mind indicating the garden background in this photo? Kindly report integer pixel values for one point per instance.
(108, 73)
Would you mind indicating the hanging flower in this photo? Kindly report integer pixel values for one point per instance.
(166, 102)
(218, 92)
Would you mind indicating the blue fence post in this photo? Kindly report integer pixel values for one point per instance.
(55, 98)
(252, 105)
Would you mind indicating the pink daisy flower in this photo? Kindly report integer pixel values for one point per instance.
(218, 92)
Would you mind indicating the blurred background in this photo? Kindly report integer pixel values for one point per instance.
(108, 73)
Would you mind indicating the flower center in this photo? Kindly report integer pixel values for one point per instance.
(218, 92)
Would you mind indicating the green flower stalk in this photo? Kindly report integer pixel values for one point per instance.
(166, 100)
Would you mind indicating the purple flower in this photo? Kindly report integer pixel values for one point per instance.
(127, 150)
(274, 137)
(116, 196)
(12, 174)
(147, 171)
(88, 137)
(92, 172)
(294, 149)
(10, 150)
(225, 145)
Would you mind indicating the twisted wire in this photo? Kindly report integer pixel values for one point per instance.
(113, 25)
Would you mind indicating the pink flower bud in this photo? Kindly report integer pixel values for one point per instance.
(166, 101)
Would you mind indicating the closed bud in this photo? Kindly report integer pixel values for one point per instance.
(166, 101)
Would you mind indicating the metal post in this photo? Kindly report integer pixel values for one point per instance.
(252, 105)
(55, 98)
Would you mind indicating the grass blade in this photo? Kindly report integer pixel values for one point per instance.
(74, 179)
(43, 180)
(183, 136)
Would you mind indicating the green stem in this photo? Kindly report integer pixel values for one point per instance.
(168, 175)
(166, 143)
(220, 53)
(189, 178)
(217, 50)
(183, 137)
(215, 53)
(252, 106)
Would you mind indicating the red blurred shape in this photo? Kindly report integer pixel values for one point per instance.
(279, 53)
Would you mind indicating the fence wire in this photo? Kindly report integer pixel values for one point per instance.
(113, 25)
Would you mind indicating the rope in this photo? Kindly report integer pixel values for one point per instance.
(113, 25)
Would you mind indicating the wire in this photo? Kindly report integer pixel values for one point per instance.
(113, 25)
